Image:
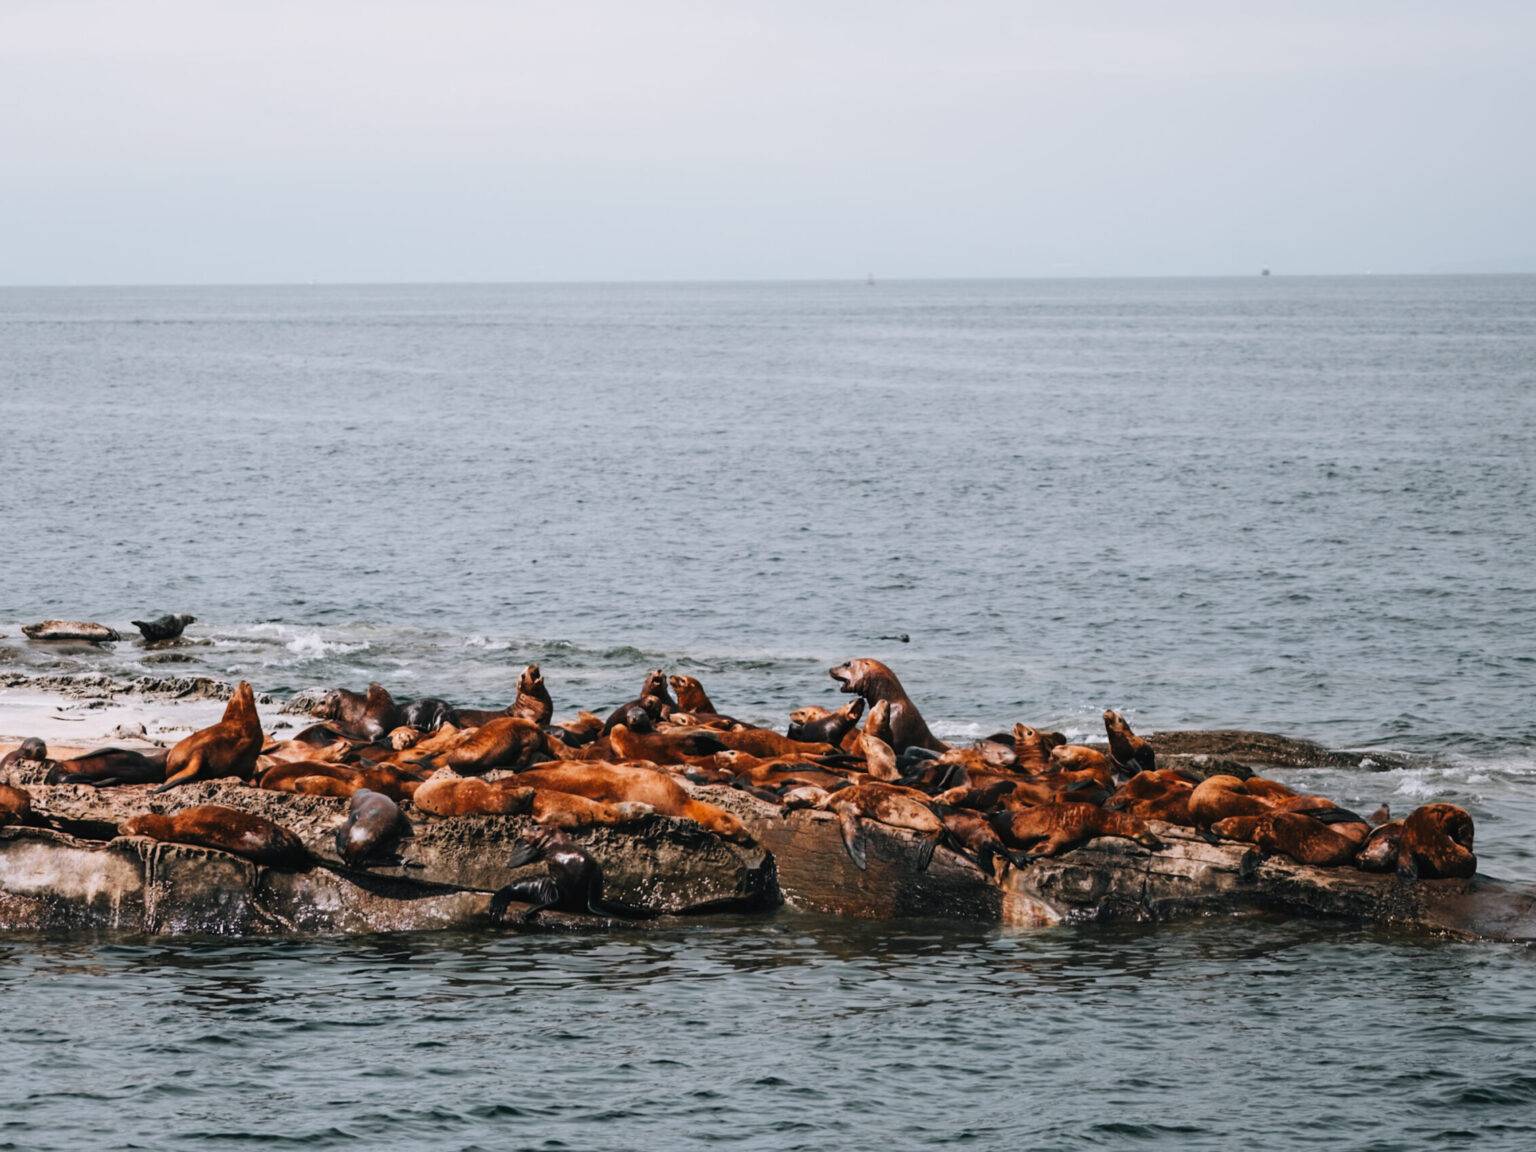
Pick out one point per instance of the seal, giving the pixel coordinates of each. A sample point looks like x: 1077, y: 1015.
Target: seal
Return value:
x: 31, y: 749
x: 70, y: 630
x: 108, y: 766
x: 372, y: 829
x: 362, y: 716
x: 1129, y: 751
x: 167, y: 627
x: 228, y: 748
x: 816, y: 725
x: 227, y: 829
x: 533, y: 699
x: 616, y: 784
x: 573, y: 882
x: 1436, y: 844
x: 1051, y: 829
x: 874, y: 681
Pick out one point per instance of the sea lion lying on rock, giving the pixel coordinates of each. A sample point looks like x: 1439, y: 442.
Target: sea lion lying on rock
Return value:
x: 621, y: 783
x: 105, y: 767
x: 1051, y: 829
x: 227, y: 829
x: 1436, y: 843
x: 372, y: 829
x: 31, y: 750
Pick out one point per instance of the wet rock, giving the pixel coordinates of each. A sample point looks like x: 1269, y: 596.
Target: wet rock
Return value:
x: 1266, y: 749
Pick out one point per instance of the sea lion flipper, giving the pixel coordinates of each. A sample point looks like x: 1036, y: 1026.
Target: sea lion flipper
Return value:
x: 853, y: 837
x: 925, y: 853
x: 1208, y: 836
x: 1335, y: 815
x: 524, y: 853
x: 1248, y: 866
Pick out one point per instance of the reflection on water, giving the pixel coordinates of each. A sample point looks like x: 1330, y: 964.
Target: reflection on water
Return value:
x: 787, y: 1032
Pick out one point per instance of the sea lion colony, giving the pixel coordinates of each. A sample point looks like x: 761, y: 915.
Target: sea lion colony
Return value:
x: 1000, y: 802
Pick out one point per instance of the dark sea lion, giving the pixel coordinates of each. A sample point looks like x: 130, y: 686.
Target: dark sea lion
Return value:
x: 824, y: 725
x: 573, y: 882
x: 372, y: 829
x: 31, y: 749
x: 70, y: 630
x: 228, y: 748
x: 1380, y: 850
x: 874, y: 681
x: 533, y: 699
x: 616, y: 784
x: 167, y: 627
x: 15, y: 805
x: 654, y: 699
x: 108, y: 766
x: 367, y: 715
x: 582, y: 729
x: 1129, y: 751
x: 1436, y: 843
x: 1051, y: 829
x: 428, y: 714
x: 227, y: 829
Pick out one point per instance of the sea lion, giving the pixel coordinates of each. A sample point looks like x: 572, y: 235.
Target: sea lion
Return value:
x: 427, y: 714
x: 584, y: 728
x: 505, y: 742
x: 573, y: 882
x: 228, y: 748
x: 664, y: 747
x: 1296, y: 835
x: 887, y: 804
x: 691, y: 696
x: 1436, y: 843
x: 372, y: 829
x: 15, y: 805
x: 31, y: 749
x: 1129, y: 751
x: 227, y: 829
x: 970, y: 835
x: 447, y: 794
x: 319, y: 778
x: 874, y: 681
x: 654, y: 699
x: 108, y: 766
x: 815, y: 725
x: 167, y: 627
x: 70, y: 630
x: 533, y: 699
x: 1380, y: 850
x: 765, y: 742
x: 362, y: 716
x: 1051, y: 829
x: 615, y: 784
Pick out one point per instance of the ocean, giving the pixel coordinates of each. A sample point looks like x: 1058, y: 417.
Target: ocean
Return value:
x: 1293, y: 504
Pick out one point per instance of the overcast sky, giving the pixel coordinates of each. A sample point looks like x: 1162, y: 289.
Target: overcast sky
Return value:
x: 214, y: 141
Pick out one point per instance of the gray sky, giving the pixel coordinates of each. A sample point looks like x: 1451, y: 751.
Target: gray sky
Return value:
x: 215, y: 141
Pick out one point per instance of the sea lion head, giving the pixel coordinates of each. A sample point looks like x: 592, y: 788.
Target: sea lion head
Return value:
x: 531, y: 679
x: 32, y: 749
x: 656, y: 685
x: 862, y: 676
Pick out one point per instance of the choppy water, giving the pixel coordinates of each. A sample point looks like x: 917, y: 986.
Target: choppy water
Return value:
x: 1292, y: 504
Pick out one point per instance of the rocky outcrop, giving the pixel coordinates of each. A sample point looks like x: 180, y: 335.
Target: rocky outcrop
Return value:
x: 1265, y: 750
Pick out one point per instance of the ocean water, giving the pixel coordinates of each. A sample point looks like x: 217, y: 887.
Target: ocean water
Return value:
x: 1282, y: 503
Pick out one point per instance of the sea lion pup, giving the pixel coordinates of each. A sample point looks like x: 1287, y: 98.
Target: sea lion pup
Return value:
x: 15, y: 805
x: 1051, y: 829
x: 363, y: 716
x: 1436, y: 844
x: 1380, y: 850
x: 887, y: 804
x: 31, y: 749
x: 506, y: 742
x: 815, y: 725
x: 533, y: 699
x: 617, y: 784
x: 1129, y: 751
x: 1293, y: 834
x: 573, y: 882
x: 167, y: 627
x: 691, y: 696
x: 227, y: 829
x: 228, y: 748
x: 427, y: 714
x: 372, y: 829
x: 874, y: 681
x: 108, y: 766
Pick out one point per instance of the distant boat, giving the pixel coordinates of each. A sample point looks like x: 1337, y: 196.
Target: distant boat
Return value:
x: 1265, y: 272
x: 871, y: 281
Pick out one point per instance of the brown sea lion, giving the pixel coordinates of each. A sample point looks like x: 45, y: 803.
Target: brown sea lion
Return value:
x: 815, y: 725
x: 584, y: 728
x: 227, y: 829
x: 447, y: 794
x: 671, y: 747
x: 874, y: 681
x: 1436, y: 843
x: 108, y: 766
x: 318, y: 778
x: 505, y: 742
x: 31, y: 749
x: 1292, y: 834
x: 973, y: 837
x: 691, y: 696
x: 1051, y: 829
x: 891, y: 805
x: 15, y: 805
x: 1129, y: 751
x: 362, y: 716
x: 533, y: 699
x: 372, y: 829
x: 228, y: 748
x: 615, y: 784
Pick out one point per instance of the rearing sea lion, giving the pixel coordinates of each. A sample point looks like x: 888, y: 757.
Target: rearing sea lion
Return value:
x: 228, y: 748
x: 1129, y: 751
x: 874, y: 682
